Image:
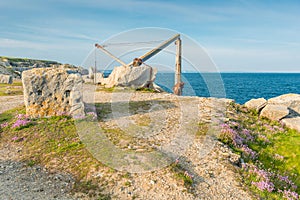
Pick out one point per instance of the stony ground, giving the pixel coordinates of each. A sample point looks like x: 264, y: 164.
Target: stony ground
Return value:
x: 145, y: 122
x: 9, y: 102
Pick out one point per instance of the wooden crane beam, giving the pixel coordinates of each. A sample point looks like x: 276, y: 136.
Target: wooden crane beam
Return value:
x: 110, y: 54
x: 156, y: 50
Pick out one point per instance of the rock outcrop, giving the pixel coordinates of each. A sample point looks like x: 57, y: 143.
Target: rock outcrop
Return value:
x: 8, y: 79
x: 291, y: 101
x: 256, y: 104
x: 52, y: 92
x: 293, y: 123
x: 274, y: 112
x: 285, y: 108
x: 134, y: 77
x: 8, y: 71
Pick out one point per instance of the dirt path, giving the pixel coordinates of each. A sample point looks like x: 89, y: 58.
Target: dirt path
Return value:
x: 166, y: 122
x: 146, y: 121
x: 10, y: 102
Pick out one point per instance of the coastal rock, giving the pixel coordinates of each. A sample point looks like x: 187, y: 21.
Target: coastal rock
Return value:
x: 274, y: 112
x: 98, y: 77
x: 91, y: 72
x: 293, y: 123
x: 8, y: 79
x: 135, y: 77
x: 8, y: 71
x: 256, y: 104
x: 292, y: 101
x: 52, y: 92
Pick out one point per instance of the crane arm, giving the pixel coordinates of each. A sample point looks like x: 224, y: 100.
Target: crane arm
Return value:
x: 156, y: 50
x: 110, y: 54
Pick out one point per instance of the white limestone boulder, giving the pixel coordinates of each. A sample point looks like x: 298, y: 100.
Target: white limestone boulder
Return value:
x: 134, y: 77
x: 274, y: 112
x: 256, y: 104
x: 7, y: 79
x: 52, y: 92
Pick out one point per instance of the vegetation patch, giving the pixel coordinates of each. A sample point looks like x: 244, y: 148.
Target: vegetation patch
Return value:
x: 54, y: 143
x: 11, y: 89
x: 270, y: 154
x: 181, y: 174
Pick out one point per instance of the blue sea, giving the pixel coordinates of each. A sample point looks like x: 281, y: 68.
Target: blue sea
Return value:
x: 238, y: 86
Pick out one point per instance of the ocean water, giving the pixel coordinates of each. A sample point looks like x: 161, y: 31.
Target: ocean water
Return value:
x: 238, y: 86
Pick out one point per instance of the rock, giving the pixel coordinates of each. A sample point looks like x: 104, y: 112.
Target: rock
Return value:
x: 256, y: 104
x: 8, y: 79
x: 293, y: 123
x: 274, y: 112
x: 99, y: 77
x: 91, y: 72
x: 135, y: 77
x: 292, y: 101
x: 8, y: 71
x: 52, y: 92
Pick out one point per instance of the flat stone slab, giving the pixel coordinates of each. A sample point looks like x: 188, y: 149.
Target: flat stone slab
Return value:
x: 256, y: 104
x: 274, y: 112
x: 292, y: 101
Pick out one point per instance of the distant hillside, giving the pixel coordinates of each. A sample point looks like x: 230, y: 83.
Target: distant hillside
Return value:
x: 15, y: 66
x: 24, y: 62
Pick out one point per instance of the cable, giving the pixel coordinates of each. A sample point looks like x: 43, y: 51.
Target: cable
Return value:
x: 131, y: 43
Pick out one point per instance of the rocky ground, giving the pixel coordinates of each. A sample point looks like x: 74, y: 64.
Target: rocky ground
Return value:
x: 21, y: 181
x: 10, y: 102
x: 149, y: 121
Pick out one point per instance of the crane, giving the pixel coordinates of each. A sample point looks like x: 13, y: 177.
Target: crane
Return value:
x: 138, y: 61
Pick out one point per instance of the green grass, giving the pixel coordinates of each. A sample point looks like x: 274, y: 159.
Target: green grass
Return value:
x: 11, y: 89
x: 181, y: 175
x: 13, y: 59
x: 278, y: 149
x: 54, y: 143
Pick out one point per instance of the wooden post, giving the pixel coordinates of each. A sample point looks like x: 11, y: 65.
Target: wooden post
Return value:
x: 178, y: 61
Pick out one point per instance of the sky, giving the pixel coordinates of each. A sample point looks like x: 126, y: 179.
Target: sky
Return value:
x: 238, y: 35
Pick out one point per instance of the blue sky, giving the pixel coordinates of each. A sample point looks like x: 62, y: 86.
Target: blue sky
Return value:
x: 239, y: 35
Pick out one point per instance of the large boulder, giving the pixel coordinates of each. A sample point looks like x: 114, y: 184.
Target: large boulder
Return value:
x: 135, y: 77
x: 292, y: 101
x: 52, y: 92
x: 8, y: 79
x: 293, y: 123
x: 274, y: 112
x: 256, y: 104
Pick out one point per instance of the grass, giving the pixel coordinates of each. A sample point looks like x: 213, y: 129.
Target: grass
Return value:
x: 13, y: 59
x: 273, y: 149
x: 101, y: 88
x: 181, y: 175
x: 11, y: 89
x: 54, y: 143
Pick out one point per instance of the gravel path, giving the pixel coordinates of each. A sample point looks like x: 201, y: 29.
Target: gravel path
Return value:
x: 211, y: 163
x: 9, y: 102
x: 18, y: 181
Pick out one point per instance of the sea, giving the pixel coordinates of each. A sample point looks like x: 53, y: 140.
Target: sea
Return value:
x: 240, y: 87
